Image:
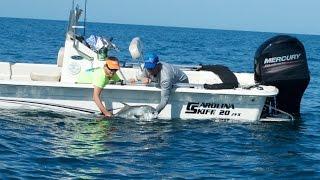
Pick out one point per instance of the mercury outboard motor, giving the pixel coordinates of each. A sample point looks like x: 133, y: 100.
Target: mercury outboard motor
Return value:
x: 281, y: 61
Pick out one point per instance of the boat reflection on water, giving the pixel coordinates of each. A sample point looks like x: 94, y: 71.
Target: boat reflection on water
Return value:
x: 72, y: 135
x: 63, y: 134
x: 124, y: 147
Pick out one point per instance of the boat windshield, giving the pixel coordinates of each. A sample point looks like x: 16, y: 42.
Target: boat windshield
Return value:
x: 74, y: 17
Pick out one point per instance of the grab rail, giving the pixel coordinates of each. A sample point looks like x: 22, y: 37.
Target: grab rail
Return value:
x: 86, y: 56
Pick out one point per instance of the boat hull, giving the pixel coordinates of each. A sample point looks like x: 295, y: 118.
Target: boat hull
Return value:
x: 184, y: 103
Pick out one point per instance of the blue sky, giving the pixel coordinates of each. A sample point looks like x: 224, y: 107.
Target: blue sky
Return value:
x: 284, y: 16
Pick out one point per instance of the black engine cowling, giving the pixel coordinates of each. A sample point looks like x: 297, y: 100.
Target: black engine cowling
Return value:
x: 281, y: 61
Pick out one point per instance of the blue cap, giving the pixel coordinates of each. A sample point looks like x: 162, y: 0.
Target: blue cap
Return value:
x: 151, y: 61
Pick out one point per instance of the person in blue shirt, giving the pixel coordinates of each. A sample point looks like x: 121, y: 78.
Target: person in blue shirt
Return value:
x: 163, y: 73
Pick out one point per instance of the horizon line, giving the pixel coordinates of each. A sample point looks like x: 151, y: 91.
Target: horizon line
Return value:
x: 166, y: 26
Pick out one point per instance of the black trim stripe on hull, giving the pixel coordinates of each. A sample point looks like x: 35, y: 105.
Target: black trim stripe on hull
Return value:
x: 49, y: 104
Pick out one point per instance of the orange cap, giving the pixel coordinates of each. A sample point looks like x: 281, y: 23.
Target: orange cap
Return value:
x: 112, y: 64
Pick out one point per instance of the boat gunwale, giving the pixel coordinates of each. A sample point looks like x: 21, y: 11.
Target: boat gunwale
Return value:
x: 265, y: 91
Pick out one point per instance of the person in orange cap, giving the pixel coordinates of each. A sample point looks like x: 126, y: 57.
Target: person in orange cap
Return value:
x: 100, y: 77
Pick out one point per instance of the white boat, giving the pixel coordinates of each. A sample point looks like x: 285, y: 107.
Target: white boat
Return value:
x: 53, y: 85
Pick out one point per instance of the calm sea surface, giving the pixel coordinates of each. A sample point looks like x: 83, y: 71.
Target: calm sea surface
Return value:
x: 46, y: 144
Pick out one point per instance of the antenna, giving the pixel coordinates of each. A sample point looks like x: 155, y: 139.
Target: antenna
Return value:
x: 85, y: 18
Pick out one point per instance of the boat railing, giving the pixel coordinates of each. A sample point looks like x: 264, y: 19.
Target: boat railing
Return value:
x: 73, y: 28
x: 82, y: 53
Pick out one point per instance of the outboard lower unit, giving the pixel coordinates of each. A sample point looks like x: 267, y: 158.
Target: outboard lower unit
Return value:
x: 281, y: 61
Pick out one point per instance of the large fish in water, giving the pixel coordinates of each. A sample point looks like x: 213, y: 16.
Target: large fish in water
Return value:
x: 143, y: 112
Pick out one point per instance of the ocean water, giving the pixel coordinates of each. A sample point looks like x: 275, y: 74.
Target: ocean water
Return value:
x: 45, y: 144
